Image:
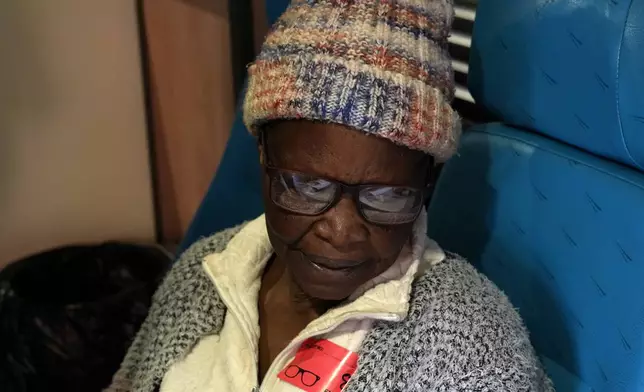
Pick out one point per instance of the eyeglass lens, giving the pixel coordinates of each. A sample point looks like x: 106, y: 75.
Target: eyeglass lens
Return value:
x: 310, y: 195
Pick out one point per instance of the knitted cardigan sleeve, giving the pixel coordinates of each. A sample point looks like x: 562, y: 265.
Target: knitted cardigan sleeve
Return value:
x: 184, y: 308
x: 461, y: 334
x: 498, y: 354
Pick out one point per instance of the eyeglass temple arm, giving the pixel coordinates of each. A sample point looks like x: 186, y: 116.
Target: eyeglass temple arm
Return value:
x: 261, y: 146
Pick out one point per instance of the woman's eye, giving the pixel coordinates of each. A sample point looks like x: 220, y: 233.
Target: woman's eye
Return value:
x: 402, y: 192
x: 310, y: 185
x: 313, y: 188
x: 387, y: 193
x: 389, y: 198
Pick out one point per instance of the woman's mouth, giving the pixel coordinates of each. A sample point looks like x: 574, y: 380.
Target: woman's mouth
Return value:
x: 329, y: 279
x: 332, y: 264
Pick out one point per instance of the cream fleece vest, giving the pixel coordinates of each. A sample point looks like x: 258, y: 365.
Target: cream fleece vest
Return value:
x: 228, y: 361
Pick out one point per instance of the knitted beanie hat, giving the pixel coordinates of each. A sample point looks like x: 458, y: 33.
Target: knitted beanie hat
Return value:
x: 379, y: 66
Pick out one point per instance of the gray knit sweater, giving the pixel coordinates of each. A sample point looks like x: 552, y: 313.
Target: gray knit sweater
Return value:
x: 461, y: 333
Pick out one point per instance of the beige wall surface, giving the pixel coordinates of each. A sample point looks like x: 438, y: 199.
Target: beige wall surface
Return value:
x: 73, y: 151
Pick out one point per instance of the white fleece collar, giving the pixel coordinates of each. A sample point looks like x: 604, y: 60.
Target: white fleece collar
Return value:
x: 237, y: 273
x: 227, y: 361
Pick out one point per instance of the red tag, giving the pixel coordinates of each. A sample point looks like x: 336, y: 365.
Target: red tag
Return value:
x: 320, y: 366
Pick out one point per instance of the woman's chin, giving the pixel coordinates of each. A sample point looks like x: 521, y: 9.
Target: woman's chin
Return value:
x: 326, y: 292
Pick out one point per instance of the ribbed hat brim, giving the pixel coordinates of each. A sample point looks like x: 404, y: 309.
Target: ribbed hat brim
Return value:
x: 323, y: 88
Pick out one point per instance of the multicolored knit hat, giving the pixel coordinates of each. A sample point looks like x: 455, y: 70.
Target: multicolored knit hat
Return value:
x: 379, y: 66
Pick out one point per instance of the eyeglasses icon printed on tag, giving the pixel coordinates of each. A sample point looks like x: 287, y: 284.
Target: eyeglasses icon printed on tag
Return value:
x: 307, y: 378
x: 320, y: 366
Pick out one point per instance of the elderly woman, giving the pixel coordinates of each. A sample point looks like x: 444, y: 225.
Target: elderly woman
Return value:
x: 337, y: 287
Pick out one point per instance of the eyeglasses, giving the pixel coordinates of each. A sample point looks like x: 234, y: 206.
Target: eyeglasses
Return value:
x: 306, y: 377
x: 307, y: 194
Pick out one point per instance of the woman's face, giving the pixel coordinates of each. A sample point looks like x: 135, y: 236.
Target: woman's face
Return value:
x: 331, y: 254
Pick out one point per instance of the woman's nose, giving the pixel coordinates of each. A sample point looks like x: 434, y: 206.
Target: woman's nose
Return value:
x: 342, y: 226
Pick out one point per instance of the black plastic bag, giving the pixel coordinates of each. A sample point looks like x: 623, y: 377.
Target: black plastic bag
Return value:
x: 67, y: 316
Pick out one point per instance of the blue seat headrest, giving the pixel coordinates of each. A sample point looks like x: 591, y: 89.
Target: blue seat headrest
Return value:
x: 573, y: 70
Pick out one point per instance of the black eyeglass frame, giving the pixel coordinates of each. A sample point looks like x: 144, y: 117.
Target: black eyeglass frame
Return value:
x: 342, y: 189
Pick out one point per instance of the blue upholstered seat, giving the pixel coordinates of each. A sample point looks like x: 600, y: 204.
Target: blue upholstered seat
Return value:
x: 550, y: 204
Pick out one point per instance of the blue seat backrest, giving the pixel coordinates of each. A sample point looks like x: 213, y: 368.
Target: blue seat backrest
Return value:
x: 550, y: 203
x: 234, y: 195
x: 571, y: 69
